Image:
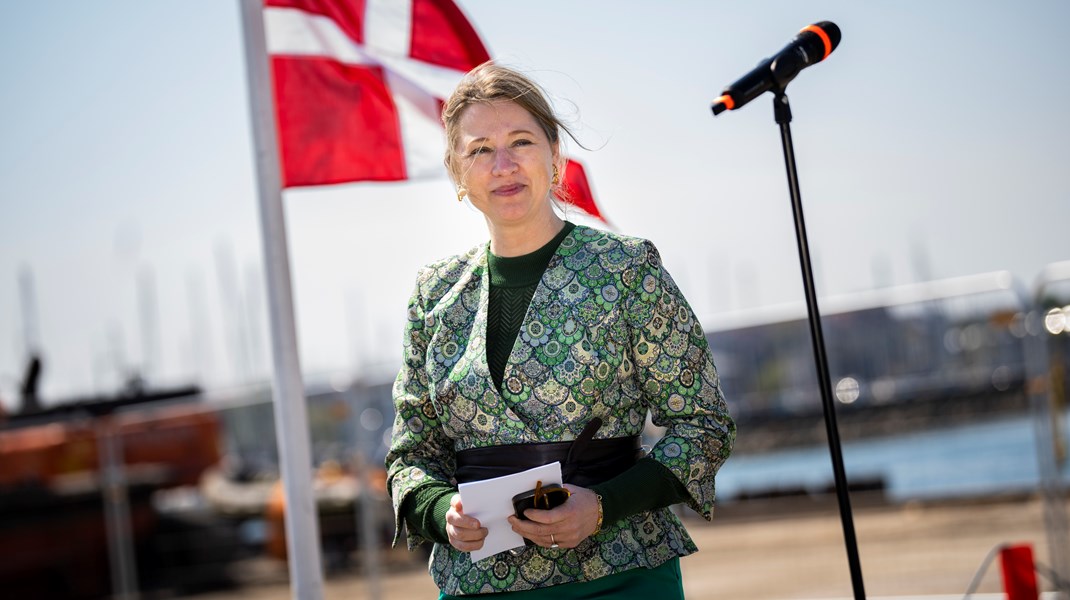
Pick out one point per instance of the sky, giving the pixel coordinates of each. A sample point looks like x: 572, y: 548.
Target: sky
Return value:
x: 931, y: 144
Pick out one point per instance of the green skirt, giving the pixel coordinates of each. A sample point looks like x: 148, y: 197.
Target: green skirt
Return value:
x: 661, y: 582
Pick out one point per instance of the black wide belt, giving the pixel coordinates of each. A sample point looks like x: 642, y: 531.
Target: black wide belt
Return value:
x: 584, y: 461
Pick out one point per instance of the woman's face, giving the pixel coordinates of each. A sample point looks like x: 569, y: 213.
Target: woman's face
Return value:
x: 505, y: 163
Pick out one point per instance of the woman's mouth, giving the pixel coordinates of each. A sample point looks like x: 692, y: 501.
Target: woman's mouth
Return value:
x: 508, y: 190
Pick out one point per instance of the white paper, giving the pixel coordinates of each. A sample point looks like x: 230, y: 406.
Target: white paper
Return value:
x: 491, y: 501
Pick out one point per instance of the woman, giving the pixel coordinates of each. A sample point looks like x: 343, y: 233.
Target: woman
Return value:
x: 552, y: 342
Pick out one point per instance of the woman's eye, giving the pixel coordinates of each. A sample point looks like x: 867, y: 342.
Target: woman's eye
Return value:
x: 522, y: 142
x: 480, y: 150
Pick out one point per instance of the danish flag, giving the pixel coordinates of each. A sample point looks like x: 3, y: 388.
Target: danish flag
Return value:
x: 359, y: 87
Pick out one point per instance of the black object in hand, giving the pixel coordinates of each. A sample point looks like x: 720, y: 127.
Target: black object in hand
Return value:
x: 543, y: 497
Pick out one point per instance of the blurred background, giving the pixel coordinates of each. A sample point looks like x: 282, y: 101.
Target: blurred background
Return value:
x: 137, y: 441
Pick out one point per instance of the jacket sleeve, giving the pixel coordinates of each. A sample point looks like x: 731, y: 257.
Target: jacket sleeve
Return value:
x: 420, y: 452
x: 679, y: 381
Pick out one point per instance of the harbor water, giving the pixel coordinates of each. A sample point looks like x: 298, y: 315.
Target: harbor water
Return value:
x: 993, y: 457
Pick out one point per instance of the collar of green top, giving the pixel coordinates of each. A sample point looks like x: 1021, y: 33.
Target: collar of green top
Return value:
x: 526, y: 269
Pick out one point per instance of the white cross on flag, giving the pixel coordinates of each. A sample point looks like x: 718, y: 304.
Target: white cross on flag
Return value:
x: 359, y: 87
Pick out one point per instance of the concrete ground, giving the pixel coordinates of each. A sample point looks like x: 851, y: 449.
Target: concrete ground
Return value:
x: 781, y: 549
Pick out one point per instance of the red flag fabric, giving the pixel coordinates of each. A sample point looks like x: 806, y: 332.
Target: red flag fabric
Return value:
x: 578, y: 190
x: 358, y: 83
x: 359, y: 86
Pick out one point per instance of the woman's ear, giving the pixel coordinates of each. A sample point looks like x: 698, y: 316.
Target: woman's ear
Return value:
x: 557, y: 165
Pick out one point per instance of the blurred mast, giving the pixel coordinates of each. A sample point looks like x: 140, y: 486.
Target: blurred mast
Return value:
x: 291, y: 413
x: 148, y: 309
x: 199, y: 346
x: 31, y: 335
x: 233, y: 310
x: 31, y: 342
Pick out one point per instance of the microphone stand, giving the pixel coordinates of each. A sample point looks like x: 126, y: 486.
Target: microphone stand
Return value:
x: 782, y: 113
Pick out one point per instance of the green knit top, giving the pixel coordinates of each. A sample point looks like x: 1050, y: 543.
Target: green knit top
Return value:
x: 513, y: 281
x: 646, y: 486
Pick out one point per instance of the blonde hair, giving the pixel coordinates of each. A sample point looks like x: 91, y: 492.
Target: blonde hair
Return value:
x: 490, y: 82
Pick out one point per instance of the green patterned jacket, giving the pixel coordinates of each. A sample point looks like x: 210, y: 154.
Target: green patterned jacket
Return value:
x: 607, y: 334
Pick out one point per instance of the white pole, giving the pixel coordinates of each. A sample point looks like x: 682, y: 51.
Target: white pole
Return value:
x: 291, y: 415
x: 112, y: 473
x: 367, y: 500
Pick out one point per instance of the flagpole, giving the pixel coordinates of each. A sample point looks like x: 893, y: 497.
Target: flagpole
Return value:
x: 291, y: 415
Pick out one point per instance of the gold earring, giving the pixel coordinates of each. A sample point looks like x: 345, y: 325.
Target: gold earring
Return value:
x: 557, y: 176
x: 461, y: 193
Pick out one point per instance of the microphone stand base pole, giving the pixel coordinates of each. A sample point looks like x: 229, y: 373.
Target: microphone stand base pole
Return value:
x: 782, y: 113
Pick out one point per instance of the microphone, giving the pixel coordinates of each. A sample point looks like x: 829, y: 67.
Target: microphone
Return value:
x: 812, y: 45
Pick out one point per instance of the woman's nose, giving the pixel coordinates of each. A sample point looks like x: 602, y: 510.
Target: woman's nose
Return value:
x: 504, y: 162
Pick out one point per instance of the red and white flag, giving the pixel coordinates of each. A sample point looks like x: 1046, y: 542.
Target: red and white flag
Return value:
x: 359, y: 87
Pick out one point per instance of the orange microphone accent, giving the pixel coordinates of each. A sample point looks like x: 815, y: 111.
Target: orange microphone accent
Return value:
x: 722, y: 103
x: 821, y: 34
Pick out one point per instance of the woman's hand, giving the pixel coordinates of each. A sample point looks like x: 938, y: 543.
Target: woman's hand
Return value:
x: 465, y: 533
x: 565, y: 526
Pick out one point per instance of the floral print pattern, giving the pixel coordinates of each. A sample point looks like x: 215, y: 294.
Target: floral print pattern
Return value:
x: 607, y: 334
